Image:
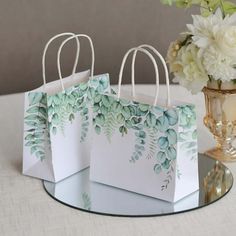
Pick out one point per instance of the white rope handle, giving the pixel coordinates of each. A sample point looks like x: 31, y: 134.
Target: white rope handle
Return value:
x: 154, y: 64
x: 163, y: 63
x: 45, y: 51
x: 62, y: 45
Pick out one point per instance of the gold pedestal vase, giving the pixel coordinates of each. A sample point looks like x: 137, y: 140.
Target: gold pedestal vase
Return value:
x: 220, y: 119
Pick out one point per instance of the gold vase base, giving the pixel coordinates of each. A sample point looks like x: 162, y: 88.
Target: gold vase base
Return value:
x: 220, y: 155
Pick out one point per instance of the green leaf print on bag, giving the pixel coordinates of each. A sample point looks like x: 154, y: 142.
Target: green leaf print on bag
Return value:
x: 140, y: 145
x: 36, y: 119
x: 157, y: 169
x: 188, y: 135
x: 187, y: 116
x: 161, y: 157
x: 154, y: 130
x: 152, y: 143
x: 163, y: 142
x: 64, y: 106
x: 172, y: 116
x: 52, y: 112
x: 171, y: 153
x: 171, y: 136
x: 89, y: 94
x: 57, y: 111
x: 168, y: 179
x: 34, y: 98
x: 162, y: 123
x: 110, y: 115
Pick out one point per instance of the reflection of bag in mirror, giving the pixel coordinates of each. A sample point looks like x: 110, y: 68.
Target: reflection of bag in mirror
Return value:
x: 147, y: 147
x: 79, y: 192
x: 57, y: 121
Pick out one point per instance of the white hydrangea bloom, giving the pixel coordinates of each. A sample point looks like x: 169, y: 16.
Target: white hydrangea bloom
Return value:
x: 204, y: 29
x: 226, y: 41
x: 218, y: 65
x: 189, y: 71
x: 210, y: 50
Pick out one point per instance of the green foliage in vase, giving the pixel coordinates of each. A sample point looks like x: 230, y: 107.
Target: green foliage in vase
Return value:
x: 207, y: 7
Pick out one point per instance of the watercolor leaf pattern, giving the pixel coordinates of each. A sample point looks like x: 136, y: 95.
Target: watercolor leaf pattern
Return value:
x: 36, y: 120
x: 49, y: 114
x: 155, y: 129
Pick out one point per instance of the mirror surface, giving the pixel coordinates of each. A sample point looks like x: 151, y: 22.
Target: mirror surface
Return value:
x: 215, y: 181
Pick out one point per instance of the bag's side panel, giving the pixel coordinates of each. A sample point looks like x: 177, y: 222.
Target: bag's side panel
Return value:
x: 70, y: 118
x: 187, y: 158
x: 134, y: 147
x: 37, y: 160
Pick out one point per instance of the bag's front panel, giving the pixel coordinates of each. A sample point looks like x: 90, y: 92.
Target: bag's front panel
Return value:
x: 36, y: 150
x: 187, y: 160
x: 134, y: 146
x: 70, y: 122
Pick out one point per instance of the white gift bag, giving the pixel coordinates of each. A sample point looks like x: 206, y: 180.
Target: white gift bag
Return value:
x: 145, y: 147
x: 58, y: 121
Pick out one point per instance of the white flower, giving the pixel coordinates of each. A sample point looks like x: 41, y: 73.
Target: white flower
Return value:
x: 189, y: 71
x: 204, y: 29
x: 226, y: 41
x: 218, y: 65
x: 216, y: 38
x: 230, y: 20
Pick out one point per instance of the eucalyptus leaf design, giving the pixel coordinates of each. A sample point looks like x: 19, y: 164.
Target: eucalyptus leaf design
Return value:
x: 171, y: 153
x: 90, y: 95
x: 171, y: 136
x: 155, y: 130
x: 157, y: 169
x: 34, y: 98
x: 60, y: 109
x: 49, y: 114
x: 139, y: 146
x: 64, y: 106
x: 172, y: 116
x: 178, y: 173
x: 161, y: 157
x: 152, y: 143
x: 154, y: 127
x: 188, y: 135
x: 169, y: 177
x: 162, y: 123
x: 187, y: 116
x: 36, y: 133
x: 163, y: 143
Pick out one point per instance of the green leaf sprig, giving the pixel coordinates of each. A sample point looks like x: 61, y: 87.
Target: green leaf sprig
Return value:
x: 207, y: 7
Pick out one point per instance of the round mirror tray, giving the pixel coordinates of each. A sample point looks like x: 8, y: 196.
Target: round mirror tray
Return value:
x: 77, y: 191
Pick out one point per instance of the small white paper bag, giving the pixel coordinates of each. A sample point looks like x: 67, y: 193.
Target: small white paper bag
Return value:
x: 145, y: 147
x: 58, y: 121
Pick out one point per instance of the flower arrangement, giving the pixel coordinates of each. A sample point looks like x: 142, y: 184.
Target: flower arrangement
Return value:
x: 207, y: 51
